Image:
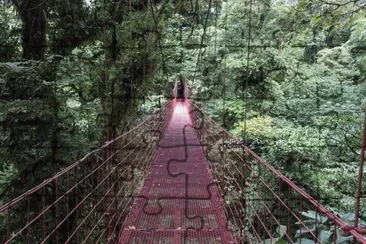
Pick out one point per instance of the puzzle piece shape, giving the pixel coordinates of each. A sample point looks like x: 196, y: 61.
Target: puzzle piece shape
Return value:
x: 179, y: 201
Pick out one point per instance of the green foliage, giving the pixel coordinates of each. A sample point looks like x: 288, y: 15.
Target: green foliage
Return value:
x: 26, y: 118
x: 279, y: 236
x: 296, y: 95
x: 258, y: 131
x: 8, y: 172
x: 324, y: 228
x: 304, y: 84
x: 9, y: 48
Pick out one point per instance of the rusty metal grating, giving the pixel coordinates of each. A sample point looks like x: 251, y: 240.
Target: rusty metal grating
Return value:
x: 178, y: 202
x: 177, y: 237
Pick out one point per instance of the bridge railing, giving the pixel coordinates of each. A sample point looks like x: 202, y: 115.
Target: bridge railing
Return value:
x: 86, y: 202
x: 262, y: 205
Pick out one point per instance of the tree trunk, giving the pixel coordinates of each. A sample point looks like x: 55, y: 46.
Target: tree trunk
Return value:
x: 32, y: 13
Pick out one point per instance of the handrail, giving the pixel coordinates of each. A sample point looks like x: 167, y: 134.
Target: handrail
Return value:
x: 5, y: 206
x: 87, y: 190
x: 357, y: 233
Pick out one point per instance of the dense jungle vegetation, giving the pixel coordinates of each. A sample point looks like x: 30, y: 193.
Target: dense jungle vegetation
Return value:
x: 287, y: 76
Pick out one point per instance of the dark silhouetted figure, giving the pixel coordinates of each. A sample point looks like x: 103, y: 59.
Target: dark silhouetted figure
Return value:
x: 180, y: 89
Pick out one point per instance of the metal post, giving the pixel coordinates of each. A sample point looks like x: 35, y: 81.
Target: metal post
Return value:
x: 360, y: 173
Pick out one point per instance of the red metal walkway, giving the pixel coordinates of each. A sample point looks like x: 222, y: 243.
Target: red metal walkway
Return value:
x: 88, y: 201
x: 178, y: 202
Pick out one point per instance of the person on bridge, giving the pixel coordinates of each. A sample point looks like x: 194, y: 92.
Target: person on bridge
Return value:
x: 181, y: 89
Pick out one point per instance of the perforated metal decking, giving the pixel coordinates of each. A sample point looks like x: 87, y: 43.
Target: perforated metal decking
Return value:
x: 178, y: 202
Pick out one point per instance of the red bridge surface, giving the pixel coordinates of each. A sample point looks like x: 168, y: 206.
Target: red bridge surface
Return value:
x: 178, y: 202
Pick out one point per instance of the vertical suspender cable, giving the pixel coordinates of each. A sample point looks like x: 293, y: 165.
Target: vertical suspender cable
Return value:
x: 216, y: 17
x: 224, y: 76
x: 107, y: 122
x: 360, y: 174
x: 248, y: 72
x: 108, y: 118
x: 159, y: 39
x: 114, y: 55
x: 131, y: 59
x: 244, y: 132
x: 202, y: 40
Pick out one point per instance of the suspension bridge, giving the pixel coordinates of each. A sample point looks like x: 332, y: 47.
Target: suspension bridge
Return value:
x: 177, y: 177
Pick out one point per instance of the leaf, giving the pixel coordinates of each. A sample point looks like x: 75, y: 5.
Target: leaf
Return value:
x: 310, y: 214
x: 315, y: 216
x: 349, y: 218
x: 305, y: 241
x: 281, y: 230
x: 324, y: 235
x: 344, y: 239
x: 272, y: 241
x: 269, y: 241
x: 304, y: 230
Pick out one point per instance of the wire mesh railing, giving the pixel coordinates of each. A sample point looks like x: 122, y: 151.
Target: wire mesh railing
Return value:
x: 261, y: 204
x: 86, y: 202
